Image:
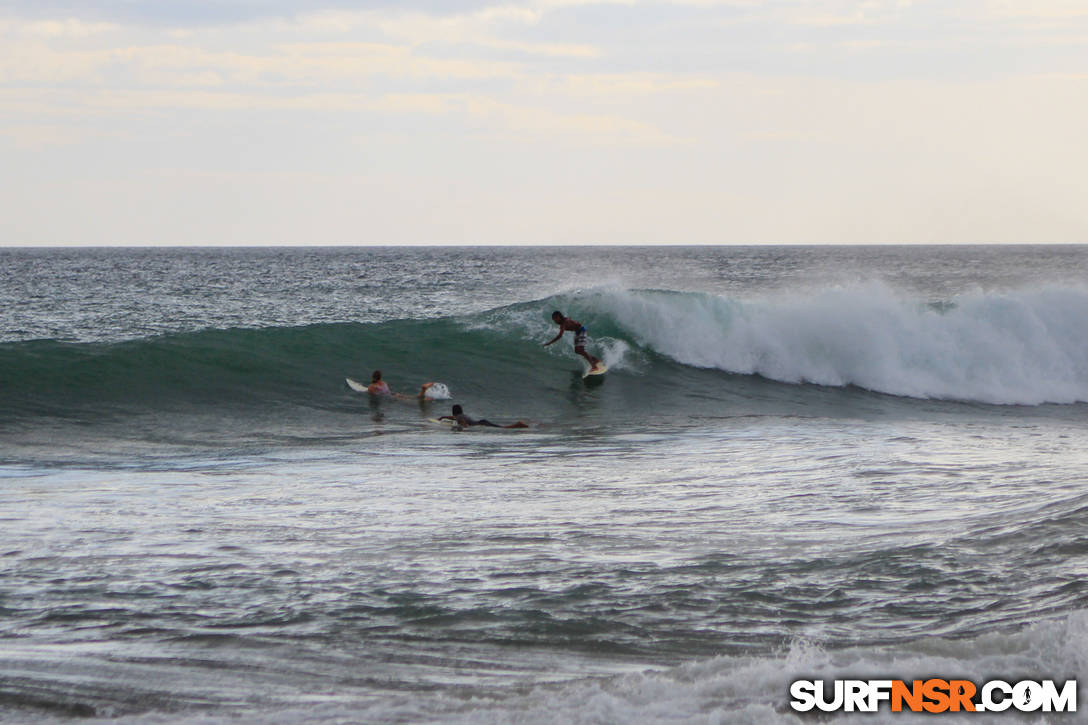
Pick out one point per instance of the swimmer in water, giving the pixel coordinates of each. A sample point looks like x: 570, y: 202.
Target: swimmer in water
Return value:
x: 377, y: 385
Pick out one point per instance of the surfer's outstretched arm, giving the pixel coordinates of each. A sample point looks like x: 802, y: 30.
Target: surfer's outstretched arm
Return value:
x: 556, y: 338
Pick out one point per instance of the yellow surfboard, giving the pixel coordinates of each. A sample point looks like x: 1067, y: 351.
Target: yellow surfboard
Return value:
x: 601, y: 369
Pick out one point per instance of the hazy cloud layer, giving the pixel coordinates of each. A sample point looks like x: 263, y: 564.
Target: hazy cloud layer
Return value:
x: 203, y: 13
x: 550, y: 121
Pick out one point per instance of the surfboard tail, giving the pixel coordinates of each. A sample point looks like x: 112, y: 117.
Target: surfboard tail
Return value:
x: 598, y: 369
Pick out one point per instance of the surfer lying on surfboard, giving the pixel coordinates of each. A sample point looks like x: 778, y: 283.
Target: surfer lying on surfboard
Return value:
x: 567, y: 324
x: 464, y: 421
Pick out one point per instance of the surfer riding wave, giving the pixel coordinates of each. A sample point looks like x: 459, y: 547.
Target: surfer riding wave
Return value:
x: 567, y: 324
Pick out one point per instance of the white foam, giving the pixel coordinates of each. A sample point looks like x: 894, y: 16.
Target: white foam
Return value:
x: 438, y: 391
x: 613, y: 352
x: 1023, y: 347
x: 727, y: 689
x: 742, y: 689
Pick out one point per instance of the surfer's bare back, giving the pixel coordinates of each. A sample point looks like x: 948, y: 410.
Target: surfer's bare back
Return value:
x: 567, y: 324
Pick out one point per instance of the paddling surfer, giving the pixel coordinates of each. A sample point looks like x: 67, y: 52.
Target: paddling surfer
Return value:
x: 464, y: 421
x: 566, y: 324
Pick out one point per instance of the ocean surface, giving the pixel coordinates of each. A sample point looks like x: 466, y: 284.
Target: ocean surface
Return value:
x: 804, y: 462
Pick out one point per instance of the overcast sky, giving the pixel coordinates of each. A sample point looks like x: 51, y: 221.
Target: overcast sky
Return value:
x: 555, y: 121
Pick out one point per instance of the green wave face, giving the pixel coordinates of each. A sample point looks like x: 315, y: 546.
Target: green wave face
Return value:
x: 671, y: 355
x: 494, y: 365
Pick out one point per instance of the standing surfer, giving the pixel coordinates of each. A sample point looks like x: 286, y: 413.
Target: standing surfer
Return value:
x: 567, y: 324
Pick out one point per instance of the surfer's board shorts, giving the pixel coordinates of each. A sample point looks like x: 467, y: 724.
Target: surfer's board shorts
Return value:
x: 580, y: 339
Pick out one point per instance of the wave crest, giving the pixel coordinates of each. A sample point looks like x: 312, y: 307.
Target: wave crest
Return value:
x: 1024, y: 347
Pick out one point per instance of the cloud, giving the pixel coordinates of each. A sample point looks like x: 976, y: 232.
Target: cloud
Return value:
x: 38, y: 136
x: 167, y: 65
x: 534, y: 122
x: 749, y: 120
x: 1037, y: 9
x: 68, y: 28
x: 486, y: 28
x: 626, y: 85
x: 483, y: 113
x: 210, y: 13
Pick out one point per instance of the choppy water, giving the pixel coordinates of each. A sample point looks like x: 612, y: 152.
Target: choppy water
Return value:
x: 804, y: 462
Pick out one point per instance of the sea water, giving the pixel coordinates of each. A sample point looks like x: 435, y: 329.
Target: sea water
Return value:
x: 804, y: 462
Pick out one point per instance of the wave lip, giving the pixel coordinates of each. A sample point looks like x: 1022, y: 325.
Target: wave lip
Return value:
x: 1025, y: 347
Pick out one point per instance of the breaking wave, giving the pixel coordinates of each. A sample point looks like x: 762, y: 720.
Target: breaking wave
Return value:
x: 1027, y: 347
